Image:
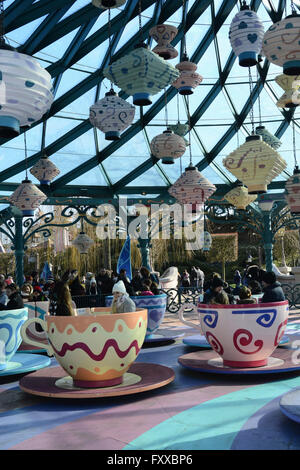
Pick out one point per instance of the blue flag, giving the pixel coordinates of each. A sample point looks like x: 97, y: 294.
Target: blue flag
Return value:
x: 124, y: 261
x: 46, y: 273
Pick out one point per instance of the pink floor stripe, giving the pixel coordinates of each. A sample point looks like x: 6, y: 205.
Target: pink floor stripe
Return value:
x: 113, y: 428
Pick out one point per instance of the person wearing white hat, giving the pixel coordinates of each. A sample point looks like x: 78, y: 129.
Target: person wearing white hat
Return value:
x: 121, y: 302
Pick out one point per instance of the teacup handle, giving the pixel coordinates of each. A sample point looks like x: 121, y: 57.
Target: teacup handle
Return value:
x: 181, y: 317
x: 33, y: 342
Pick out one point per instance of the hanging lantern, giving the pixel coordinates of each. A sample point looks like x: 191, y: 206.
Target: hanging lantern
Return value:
x: 163, y: 34
x: 192, y: 187
x: 281, y: 44
x: 246, y: 34
x: 290, y: 84
x: 168, y: 146
x: 188, y: 78
x: 141, y: 73
x: 181, y: 130
x: 265, y: 205
x: 106, y: 4
x: 206, y: 240
x: 44, y: 170
x: 267, y: 137
x: 25, y: 91
x: 83, y: 243
x: 27, y: 197
x: 255, y: 163
x: 239, y: 197
x: 112, y: 115
x: 292, y: 192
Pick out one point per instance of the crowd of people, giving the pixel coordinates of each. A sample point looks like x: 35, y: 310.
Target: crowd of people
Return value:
x: 60, y: 291
x: 36, y: 289
x: 260, y: 282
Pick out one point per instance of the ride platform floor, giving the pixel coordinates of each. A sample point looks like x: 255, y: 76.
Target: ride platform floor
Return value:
x: 197, y: 411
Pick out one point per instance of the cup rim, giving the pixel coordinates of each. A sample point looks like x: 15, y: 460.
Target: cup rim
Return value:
x: 244, y: 306
x: 95, y: 316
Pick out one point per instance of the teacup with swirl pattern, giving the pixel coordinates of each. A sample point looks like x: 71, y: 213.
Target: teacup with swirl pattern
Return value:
x: 10, y: 333
x: 244, y: 335
x: 95, y: 350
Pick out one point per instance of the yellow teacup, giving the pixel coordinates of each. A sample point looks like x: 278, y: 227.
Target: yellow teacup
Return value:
x: 95, y: 350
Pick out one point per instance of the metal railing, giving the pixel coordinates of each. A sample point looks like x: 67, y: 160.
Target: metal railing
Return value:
x: 83, y: 301
x: 177, y: 297
x: 292, y: 294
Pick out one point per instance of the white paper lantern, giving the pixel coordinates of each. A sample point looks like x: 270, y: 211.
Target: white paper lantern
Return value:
x: 206, y: 240
x: 44, y: 170
x: 246, y: 35
x: 163, y: 34
x: 292, y: 192
x: 83, y: 243
x: 192, y: 187
x: 255, y: 163
x: 106, y: 4
x: 281, y: 44
x: 27, y: 197
x: 239, y: 197
x: 268, y: 137
x: 25, y: 92
x: 168, y: 146
x: 188, y: 78
x: 265, y: 205
x: 290, y: 84
x: 112, y: 115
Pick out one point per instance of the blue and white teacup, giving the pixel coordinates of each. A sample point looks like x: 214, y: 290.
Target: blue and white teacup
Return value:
x: 10, y: 333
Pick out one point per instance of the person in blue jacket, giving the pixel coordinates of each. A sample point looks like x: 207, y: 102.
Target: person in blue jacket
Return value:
x: 272, y: 289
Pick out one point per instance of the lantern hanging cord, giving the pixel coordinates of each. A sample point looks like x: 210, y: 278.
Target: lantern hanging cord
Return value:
x: 2, y: 22
x: 251, y: 101
x: 294, y: 145
x: 183, y: 25
x: 293, y: 8
x: 26, y: 163
x: 166, y: 109
x: 189, y: 120
x: 140, y: 22
x: 81, y: 222
x: 259, y: 104
x: 109, y: 41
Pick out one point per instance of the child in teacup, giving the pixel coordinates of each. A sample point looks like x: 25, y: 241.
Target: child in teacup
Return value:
x: 220, y: 298
x: 121, y: 302
x: 245, y: 296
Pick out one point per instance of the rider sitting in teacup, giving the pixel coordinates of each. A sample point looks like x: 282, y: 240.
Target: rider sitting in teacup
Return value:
x: 272, y: 289
x: 15, y: 300
x: 121, y: 302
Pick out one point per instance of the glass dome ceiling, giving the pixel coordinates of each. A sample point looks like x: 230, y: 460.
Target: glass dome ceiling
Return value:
x: 70, y: 39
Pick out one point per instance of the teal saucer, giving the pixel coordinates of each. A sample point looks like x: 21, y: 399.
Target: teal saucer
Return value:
x: 22, y: 363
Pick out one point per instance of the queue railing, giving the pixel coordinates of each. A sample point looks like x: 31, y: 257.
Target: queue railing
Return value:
x: 178, y: 296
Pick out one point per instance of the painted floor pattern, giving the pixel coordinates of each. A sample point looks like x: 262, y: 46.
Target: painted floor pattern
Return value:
x: 197, y: 411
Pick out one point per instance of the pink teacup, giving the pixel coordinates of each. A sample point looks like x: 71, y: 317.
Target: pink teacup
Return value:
x: 244, y: 335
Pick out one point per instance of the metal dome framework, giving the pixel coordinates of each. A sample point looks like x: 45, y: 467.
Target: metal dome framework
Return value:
x: 54, y: 20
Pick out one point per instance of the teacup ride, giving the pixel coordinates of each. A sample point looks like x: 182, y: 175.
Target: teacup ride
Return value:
x: 156, y: 306
x: 244, y: 338
x: 35, y: 332
x: 11, y: 363
x: 96, y: 356
x: 199, y: 340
